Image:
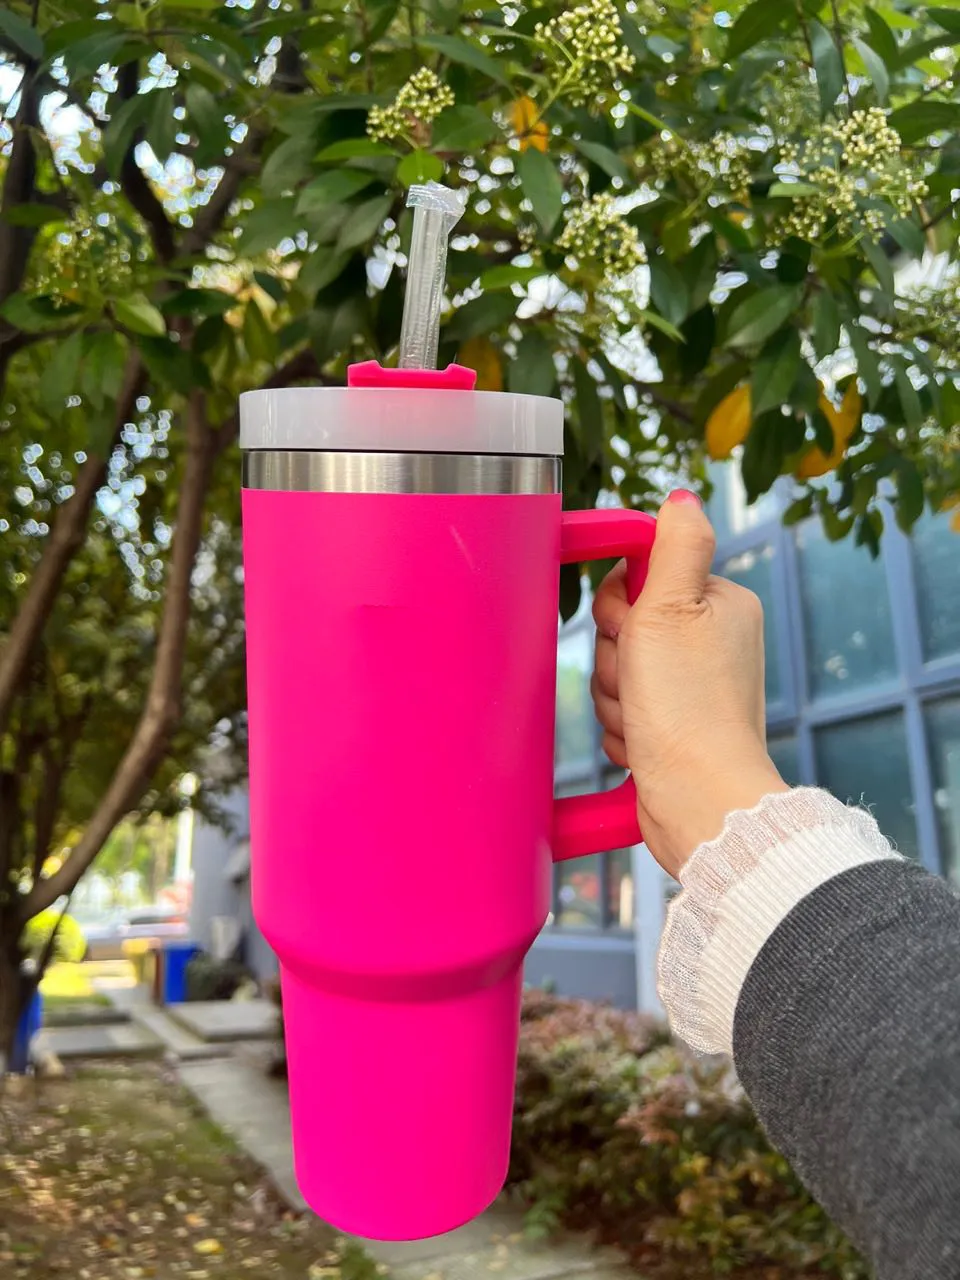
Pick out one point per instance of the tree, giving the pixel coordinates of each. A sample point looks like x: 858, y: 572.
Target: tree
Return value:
x: 689, y: 220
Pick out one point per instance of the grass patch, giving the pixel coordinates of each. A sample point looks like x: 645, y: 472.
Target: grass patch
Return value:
x: 115, y: 1173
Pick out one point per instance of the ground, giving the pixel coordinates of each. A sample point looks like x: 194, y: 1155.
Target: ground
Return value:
x: 114, y: 1173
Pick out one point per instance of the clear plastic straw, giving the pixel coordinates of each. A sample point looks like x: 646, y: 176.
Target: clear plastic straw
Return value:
x: 436, y: 211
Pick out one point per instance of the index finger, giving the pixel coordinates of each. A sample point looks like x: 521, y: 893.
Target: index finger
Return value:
x: 610, y: 605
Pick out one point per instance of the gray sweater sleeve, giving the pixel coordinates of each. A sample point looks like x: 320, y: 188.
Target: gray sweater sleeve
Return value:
x: 847, y: 1041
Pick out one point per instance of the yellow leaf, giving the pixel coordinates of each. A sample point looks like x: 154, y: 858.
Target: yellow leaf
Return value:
x: 955, y: 522
x: 532, y: 131
x: 729, y: 423
x: 843, y: 423
x: 208, y: 1246
x: 482, y: 355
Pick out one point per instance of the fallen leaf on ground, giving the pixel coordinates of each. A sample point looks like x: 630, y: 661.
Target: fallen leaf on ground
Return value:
x: 208, y: 1246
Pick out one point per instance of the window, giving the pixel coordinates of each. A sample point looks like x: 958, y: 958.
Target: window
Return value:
x: 579, y: 899
x: 576, y: 731
x: 754, y: 570
x: 943, y: 732
x: 846, y: 612
x: 936, y: 555
x: 728, y: 507
x: 868, y: 759
x: 785, y: 754
x: 620, y: 891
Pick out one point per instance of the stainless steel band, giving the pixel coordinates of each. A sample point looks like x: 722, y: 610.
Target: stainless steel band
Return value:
x: 304, y: 471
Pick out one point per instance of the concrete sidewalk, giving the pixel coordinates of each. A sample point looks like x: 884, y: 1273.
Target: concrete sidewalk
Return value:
x: 254, y: 1110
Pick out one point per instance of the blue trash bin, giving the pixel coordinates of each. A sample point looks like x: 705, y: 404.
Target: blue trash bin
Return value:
x: 30, y: 1022
x: 175, y: 957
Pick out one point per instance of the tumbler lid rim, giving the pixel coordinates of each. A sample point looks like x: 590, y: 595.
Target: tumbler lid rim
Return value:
x: 400, y: 420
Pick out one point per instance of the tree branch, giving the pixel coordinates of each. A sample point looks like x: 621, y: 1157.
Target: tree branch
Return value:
x: 135, y: 185
x: 66, y: 537
x: 299, y: 367
x: 211, y: 217
x: 163, y: 702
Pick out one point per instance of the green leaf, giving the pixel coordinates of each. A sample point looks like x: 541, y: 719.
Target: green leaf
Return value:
x: 831, y: 77
x: 532, y: 371
x: 34, y: 215
x: 604, y: 159
x: 320, y: 269
x: 419, y: 166
x: 37, y: 314
x: 908, y: 396
x: 483, y: 314
x: 917, y: 120
x: 657, y: 321
x: 334, y: 187
x: 15, y: 32
x: 271, y: 286
x: 464, y: 128
x: 364, y: 222
x: 881, y: 37
x: 207, y: 118
x: 61, y: 373
x: 949, y: 19
x: 876, y: 69
x: 754, y: 320
x: 775, y: 372
x: 910, y: 497
x: 119, y: 134
x: 264, y: 227
x: 101, y: 370
x: 198, y: 302
x: 541, y: 186
x: 163, y: 126
x: 505, y: 276
x: 353, y: 149
x: 868, y: 367
x: 168, y: 363
x: 468, y: 55
x: 759, y: 21
x: 763, y: 454
x: 799, y: 510
x: 287, y: 165
x: 260, y: 342
x: 791, y: 190
x: 908, y: 236
x: 589, y: 411
x: 950, y: 403
x: 668, y: 290
x: 139, y: 315
x: 881, y: 266
x: 826, y: 324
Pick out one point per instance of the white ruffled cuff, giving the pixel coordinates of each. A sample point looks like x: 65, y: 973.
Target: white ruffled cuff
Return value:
x: 738, y: 888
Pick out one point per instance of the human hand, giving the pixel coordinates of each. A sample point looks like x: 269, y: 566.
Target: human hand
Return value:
x: 678, y: 688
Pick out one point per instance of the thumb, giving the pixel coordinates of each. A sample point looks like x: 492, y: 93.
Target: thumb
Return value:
x: 682, y: 553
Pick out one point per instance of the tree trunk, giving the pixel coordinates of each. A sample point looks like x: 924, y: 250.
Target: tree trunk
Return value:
x: 15, y: 988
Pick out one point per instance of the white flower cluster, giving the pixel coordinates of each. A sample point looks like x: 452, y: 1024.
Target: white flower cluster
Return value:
x: 419, y: 102
x: 857, y: 168
x: 723, y: 163
x: 595, y: 231
x: 589, y: 40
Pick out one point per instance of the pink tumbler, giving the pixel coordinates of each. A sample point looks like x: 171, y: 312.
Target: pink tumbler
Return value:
x: 402, y: 546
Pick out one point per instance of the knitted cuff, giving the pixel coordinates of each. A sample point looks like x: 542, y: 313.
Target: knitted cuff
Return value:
x: 738, y: 888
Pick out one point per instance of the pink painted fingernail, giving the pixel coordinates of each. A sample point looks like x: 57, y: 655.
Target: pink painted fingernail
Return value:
x: 684, y: 495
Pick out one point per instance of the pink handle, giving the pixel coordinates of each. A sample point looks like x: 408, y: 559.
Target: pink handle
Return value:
x: 606, y: 819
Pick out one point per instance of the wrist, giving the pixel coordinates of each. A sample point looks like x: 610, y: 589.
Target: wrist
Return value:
x: 701, y: 802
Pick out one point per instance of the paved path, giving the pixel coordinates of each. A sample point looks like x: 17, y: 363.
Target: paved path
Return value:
x: 243, y: 1101
x: 119, y: 1041
x: 136, y: 1004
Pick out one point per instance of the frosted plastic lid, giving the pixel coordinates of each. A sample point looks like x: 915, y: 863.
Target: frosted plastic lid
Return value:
x: 400, y: 420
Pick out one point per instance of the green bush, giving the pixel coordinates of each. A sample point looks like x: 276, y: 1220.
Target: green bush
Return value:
x: 209, y: 979
x: 70, y: 945
x: 618, y: 1128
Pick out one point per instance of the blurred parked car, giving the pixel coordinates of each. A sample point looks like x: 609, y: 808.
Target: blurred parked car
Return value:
x: 106, y: 937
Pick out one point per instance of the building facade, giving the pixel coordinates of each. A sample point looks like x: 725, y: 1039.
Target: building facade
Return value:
x: 863, y: 697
